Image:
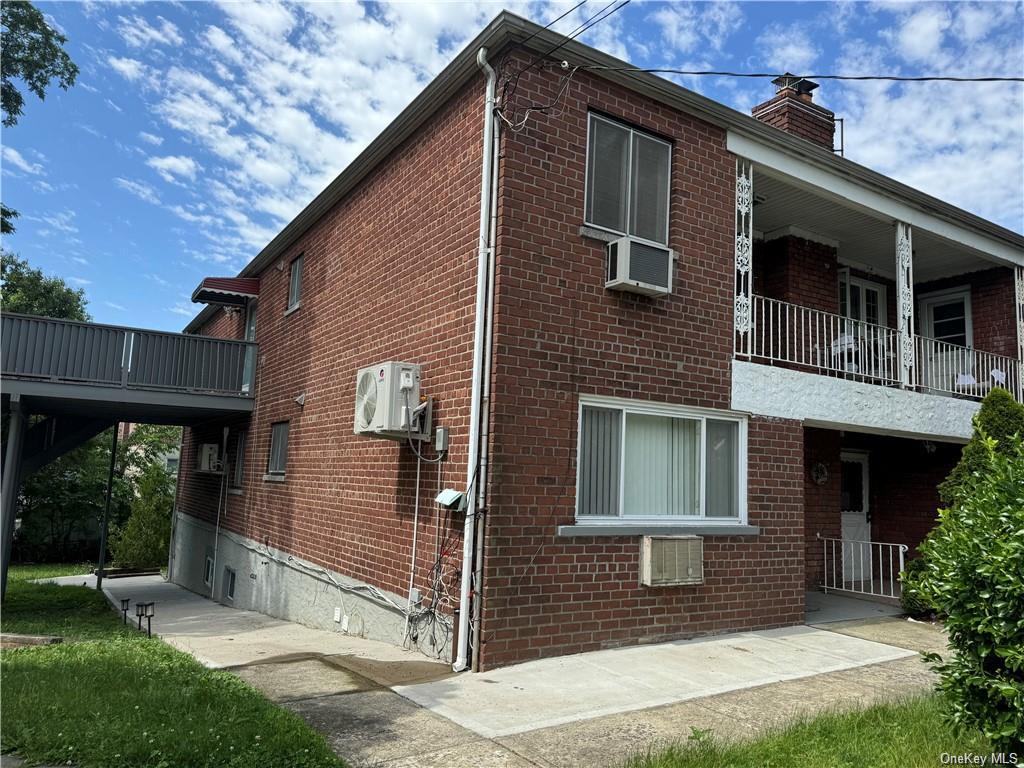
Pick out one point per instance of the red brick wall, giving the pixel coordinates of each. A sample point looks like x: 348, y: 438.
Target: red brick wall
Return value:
x: 561, y: 334
x: 389, y: 274
x: 992, y: 307
x: 821, y: 501
x: 797, y: 271
x: 791, y: 114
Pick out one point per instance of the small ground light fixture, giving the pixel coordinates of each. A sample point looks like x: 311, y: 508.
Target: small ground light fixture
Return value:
x: 124, y: 609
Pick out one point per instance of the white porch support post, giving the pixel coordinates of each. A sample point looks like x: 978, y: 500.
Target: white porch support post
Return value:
x: 905, y: 302
x: 1019, y: 293
x: 743, y: 253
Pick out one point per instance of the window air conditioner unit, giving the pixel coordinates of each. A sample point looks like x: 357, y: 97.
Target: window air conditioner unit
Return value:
x: 387, y: 399
x: 671, y: 560
x: 209, y: 457
x: 639, y: 267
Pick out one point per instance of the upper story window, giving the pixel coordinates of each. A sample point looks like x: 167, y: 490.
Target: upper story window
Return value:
x: 295, y: 283
x: 660, y: 464
x: 627, y: 180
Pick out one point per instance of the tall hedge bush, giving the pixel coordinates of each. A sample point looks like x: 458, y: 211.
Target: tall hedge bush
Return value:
x: 974, y: 574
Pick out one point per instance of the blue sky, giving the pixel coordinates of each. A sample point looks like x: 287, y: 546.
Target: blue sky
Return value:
x: 197, y: 130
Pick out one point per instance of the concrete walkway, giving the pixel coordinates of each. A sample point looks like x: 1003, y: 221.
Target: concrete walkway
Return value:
x: 383, y: 706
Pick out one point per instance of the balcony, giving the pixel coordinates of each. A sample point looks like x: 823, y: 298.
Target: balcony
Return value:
x: 125, y: 373
x: 828, y: 344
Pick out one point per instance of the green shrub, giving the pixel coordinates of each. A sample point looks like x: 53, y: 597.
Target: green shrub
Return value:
x: 1000, y: 418
x: 974, y: 575
x: 911, y: 599
x: 143, y: 540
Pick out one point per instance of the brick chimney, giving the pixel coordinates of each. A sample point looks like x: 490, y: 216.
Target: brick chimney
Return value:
x: 792, y: 109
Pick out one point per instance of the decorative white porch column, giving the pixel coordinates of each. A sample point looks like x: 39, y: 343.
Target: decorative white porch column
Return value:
x: 905, y: 301
x: 743, y: 252
x: 1019, y: 293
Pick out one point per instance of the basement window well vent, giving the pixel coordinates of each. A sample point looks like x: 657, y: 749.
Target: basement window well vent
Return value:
x: 671, y: 560
x: 229, y: 583
x: 208, y: 572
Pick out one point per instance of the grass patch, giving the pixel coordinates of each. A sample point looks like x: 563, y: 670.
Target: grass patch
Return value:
x: 117, y: 699
x: 908, y: 734
x: 47, y: 571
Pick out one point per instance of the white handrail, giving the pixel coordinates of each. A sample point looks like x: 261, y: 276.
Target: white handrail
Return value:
x: 863, y: 567
x: 832, y: 345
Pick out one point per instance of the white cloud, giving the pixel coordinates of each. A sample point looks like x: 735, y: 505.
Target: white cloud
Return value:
x: 118, y: 307
x: 62, y: 221
x: 172, y: 167
x: 129, y: 69
x: 151, y: 138
x: 158, y: 280
x: 183, y: 309
x: 921, y: 34
x: 113, y: 106
x: 687, y: 26
x: 139, y: 33
x: 787, y: 48
x: 80, y: 281
x: 140, y: 189
x: 15, y: 158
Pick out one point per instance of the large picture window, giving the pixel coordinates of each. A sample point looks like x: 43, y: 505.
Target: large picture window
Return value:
x: 659, y: 463
x: 627, y: 180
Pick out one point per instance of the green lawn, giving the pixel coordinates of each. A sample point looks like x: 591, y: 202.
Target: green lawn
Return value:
x: 908, y: 734
x: 110, y: 697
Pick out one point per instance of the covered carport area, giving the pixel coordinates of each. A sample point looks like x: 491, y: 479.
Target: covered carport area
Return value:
x: 63, y: 382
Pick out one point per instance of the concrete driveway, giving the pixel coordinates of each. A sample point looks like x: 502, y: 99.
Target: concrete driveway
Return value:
x: 383, y: 706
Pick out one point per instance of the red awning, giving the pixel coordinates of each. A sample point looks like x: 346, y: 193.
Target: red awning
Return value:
x: 230, y: 291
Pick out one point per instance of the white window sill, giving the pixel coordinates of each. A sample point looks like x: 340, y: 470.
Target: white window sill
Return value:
x: 273, y: 478
x: 659, y: 529
x: 293, y: 308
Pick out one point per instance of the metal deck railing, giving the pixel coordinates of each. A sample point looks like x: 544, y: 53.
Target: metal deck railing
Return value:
x: 832, y: 345
x: 74, y: 352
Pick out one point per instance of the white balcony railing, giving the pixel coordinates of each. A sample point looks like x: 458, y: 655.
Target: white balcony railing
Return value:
x: 832, y: 345
x: 863, y: 567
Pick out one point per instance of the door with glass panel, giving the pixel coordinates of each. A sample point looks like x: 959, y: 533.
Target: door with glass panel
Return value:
x: 856, y: 519
x: 948, y: 361
x: 864, y: 345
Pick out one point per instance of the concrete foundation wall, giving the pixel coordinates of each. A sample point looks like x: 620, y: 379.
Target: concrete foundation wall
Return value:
x: 273, y: 582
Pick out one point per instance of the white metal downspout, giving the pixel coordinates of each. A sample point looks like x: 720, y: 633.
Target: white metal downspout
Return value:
x: 461, y: 660
x: 485, y: 420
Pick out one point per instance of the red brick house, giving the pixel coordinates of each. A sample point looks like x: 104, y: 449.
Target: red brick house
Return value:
x: 682, y: 360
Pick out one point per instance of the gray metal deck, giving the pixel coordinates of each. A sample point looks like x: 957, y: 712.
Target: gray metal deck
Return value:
x: 124, y: 374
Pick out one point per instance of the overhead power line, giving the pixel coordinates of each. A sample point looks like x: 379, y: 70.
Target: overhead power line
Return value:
x: 894, y: 78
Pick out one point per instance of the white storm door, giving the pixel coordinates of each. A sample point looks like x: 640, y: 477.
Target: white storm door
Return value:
x: 853, y: 496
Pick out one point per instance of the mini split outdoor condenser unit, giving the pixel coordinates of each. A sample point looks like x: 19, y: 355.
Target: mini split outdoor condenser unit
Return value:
x: 639, y: 267
x: 671, y: 560
x: 209, y: 457
x: 386, y: 396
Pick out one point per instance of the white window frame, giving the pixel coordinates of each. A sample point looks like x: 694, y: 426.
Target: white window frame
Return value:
x: 278, y: 474
x: 208, y: 571
x: 237, y: 479
x: 591, y: 117
x: 294, y: 302
x: 624, y: 406
x: 926, y: 301
x: 230, y: 583
x: 862, y: 283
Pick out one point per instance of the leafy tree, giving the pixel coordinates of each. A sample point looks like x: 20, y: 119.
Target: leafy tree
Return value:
x: 1000, y: 417
x: 33, y: 52
x: 30, y: 292
x: 974, y: 574
x: 62, y: 504
x: 143, y: 540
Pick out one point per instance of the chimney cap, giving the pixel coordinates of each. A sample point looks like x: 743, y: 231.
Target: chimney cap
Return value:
x: 801, y: 85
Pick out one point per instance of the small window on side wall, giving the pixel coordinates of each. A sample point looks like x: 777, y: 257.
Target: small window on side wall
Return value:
x: 238, y: 467
x: 229, y: 583
x: 278, y: 449
x: 295, y: 283
x: 627, y: 181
